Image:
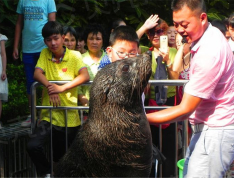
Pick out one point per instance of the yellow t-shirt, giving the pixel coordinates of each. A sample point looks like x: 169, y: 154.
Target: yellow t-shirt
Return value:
x: 68, y: 69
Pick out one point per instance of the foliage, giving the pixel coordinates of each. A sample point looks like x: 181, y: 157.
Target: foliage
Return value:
x: 219, y: 9
x: 17, y: 104
x: 81, y: 12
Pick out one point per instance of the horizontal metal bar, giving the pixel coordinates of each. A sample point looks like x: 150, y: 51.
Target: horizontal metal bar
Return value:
x: 179, y: 82
x: 63, y: 107
x: 169, y: 82
x: 60, y: 82
x: 86, y: 107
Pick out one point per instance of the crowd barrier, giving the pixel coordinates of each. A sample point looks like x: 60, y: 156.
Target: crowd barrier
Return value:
x: 22, y: 166
x: 14, y: 160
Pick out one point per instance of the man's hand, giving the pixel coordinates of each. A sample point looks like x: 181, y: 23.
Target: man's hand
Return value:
x: 55, y: 100
x: 150, y: 23
x: 15, y: 54
x: 53, y: 88
x: 165, y: 56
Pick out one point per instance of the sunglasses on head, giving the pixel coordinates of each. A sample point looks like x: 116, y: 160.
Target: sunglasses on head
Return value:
x: 158, y: 32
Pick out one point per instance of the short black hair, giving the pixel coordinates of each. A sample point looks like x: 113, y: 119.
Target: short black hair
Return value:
x: 79, y: 33
x: 94, y: 28
x: 125, y: 33
x: 51, y: 28
x: 231, y: 20
x: 116, y: 23
x: 192, y: 4
x: 71, y: 30
x: 220, y: 25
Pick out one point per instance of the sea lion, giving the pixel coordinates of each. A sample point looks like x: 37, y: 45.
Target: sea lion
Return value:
x: 115, y: 140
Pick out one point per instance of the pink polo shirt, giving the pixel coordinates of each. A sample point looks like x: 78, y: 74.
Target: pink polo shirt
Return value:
x: 212, y: 79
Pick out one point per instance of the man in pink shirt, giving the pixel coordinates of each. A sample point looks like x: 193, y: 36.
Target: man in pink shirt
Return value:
x: 208, y: 100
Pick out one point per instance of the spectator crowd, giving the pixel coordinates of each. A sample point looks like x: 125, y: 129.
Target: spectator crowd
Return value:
x: 51, y: 51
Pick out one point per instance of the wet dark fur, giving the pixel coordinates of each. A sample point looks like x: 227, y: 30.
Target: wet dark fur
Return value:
x: 115, y: 141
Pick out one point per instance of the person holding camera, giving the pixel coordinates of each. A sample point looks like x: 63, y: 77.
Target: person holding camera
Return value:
x: 162, y: 60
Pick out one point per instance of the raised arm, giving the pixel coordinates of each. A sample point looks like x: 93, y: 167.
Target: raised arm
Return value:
x: 149, y: 23
x: 178, y: 60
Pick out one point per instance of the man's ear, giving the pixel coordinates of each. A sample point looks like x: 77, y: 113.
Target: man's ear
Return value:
x: 203, y: 18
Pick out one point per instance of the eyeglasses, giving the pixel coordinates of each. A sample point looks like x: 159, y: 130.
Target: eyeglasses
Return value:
x: 158, y: 32
x: 123, y: 55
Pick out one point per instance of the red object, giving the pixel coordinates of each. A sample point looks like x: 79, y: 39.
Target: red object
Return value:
x: 151, y: 48
x: 64, y: 69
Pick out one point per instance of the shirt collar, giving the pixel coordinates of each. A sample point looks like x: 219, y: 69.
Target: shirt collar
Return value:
x: 61, y: 58
x: 195, y: 45
x: 89, y: 60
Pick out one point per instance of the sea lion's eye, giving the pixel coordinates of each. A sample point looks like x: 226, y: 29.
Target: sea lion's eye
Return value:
x: 125, y: 68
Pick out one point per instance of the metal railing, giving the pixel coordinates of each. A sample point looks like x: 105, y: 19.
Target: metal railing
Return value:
x: 152, y: 82
x: 14, y: 161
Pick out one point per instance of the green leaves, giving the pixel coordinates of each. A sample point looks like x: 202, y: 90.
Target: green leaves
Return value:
x: 17, y: 104
x: 17, y: 98
x: 224, y: 3
x: 6, y: 4
x: 218, y: 9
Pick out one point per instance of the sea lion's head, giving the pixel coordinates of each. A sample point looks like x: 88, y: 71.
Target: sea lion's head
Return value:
x: 122, y: 82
